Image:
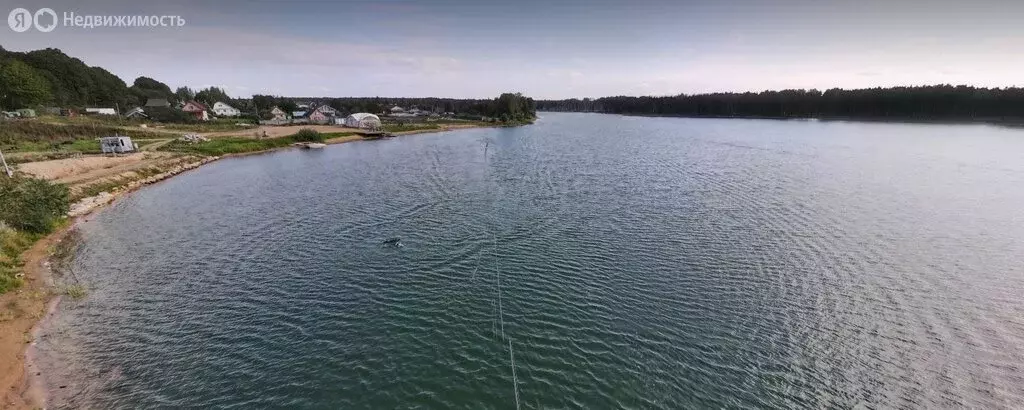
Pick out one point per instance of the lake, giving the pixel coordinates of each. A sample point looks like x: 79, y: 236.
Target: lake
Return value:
x: 629, y: 262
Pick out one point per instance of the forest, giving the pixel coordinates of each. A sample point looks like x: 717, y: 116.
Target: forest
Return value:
x: 936, y: 102
x: 50, y: 77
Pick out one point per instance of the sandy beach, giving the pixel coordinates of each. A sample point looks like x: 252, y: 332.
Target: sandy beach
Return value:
x: 28, y: 305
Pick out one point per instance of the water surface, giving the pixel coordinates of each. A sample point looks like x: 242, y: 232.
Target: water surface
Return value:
x: 632, y: 263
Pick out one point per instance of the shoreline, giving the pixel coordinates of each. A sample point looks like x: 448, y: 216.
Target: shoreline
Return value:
x: 38, y: 299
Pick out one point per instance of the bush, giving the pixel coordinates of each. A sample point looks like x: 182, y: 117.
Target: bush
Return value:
x: 308, y: 135
x: 32, y: 205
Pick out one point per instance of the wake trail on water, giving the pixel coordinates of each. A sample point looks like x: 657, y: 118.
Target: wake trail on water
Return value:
x: 501, y: 313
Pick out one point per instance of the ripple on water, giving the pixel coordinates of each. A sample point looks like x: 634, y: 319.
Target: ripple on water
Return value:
x: 643, y: 263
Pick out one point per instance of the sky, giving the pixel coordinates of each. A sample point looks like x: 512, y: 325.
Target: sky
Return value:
x: 545, y: 49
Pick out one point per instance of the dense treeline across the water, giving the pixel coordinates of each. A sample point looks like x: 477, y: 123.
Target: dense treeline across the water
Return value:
x: 937, y: 102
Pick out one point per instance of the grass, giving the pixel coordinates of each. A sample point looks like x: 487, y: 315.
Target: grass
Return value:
x: 329, y: 135
x: 75, y: 291
x: 239, y: 145
x: 111, y: 185
x: 96, y: 188
x: 84, y: 146
x: 36, y: 135
x: 228, y: 145
x: 12, y: 244
x: 410, y: 127
x: 217, y: 125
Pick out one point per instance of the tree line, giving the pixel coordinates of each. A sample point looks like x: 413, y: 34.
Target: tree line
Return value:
x: 508, y: 106
x: 50, y: 77
x: 935, y: 102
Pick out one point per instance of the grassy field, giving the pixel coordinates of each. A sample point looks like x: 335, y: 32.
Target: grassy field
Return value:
x: 79, y: 134
x: 33, y: 135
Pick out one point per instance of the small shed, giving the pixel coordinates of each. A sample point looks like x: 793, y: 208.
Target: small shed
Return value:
x: 116, y: 145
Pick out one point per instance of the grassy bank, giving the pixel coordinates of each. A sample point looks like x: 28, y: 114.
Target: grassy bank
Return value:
x: 12, y: 244
x: 29, y: 209
x: 227, y: 145
x: 214, y: 125
x: 110, y: 185
x: 241, y: 145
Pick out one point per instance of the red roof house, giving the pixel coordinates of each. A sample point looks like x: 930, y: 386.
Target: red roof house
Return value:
x: 197, y: 109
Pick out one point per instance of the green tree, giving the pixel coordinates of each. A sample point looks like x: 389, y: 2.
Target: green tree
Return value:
x: 287, y: 106
x: 145, y: 88
x: 211, y: 95
x: 184, y: 94
x: 21, y: 86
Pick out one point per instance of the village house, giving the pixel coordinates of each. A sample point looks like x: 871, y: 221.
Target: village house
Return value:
x: 225, y: 110
x: 322, y: 114
x: 197, y: 110
x: 279, y: 114
x: 299, y: 117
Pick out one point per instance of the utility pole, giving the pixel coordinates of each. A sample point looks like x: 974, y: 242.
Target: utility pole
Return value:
x: 10, y: 174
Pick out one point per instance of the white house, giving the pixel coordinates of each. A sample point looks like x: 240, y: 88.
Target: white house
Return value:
x: 362, y: 120
x: 101, y: 111
x: 224, y: 110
